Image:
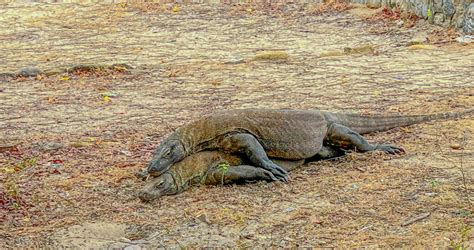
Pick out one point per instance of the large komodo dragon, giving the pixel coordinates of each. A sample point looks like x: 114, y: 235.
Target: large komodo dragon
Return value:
x: 214, y: 168
x: 281, y: 134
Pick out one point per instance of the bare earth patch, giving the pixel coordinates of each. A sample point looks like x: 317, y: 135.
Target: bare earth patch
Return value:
x: 70, y: 143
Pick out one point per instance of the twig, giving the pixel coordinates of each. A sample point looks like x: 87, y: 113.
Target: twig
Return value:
x: 104, y: 239
x: 415, y: 219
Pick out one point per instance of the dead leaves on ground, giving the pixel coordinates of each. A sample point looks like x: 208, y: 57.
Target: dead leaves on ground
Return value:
x: 388, y: 15
x: 332, y: 6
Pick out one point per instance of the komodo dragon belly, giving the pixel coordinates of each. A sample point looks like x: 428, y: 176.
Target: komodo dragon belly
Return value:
x: 285, y: 134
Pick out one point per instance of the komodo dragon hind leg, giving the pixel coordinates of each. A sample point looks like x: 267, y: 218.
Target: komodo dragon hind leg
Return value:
x: 328, y: 153
x: 343, y: 136
x: 237, y: 174
x: 249, y: 145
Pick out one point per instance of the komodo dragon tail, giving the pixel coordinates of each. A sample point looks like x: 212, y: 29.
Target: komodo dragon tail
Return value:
x: 366, y: 124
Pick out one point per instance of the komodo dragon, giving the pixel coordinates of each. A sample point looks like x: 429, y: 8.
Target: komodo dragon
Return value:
x: 214, y: 168
x: 283, y: 134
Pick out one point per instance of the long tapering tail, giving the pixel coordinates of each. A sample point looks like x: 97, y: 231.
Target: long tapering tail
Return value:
x: 366, y: 124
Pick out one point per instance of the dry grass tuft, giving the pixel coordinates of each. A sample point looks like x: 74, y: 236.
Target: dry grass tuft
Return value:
x: 271, y: 56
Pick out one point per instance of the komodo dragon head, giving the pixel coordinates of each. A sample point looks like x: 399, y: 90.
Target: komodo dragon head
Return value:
x: 208, y: 168
x: 192, y: 170
x: 158, y: 187
x: 170, y: 151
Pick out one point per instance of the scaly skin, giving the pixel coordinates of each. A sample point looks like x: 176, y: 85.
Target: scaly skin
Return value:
x: 285, y: 134
x: 214, y: 168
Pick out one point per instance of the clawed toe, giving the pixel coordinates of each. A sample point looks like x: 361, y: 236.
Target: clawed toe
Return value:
x: 280, y: 177
x: 269, y: 176
x: 390, y: 149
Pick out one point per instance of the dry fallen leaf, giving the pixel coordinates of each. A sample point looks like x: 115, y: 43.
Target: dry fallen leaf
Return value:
x: 175, y: 8
x: 64, y: 78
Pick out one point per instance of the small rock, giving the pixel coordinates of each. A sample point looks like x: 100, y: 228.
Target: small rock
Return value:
x: 132, y: 247
x: 48, y: 146
x: 456, y: 146
x: 203, y: 218
x: 438, y: 19
x: 366, y: 228
x: 289, y: 209
x: 420, y: 38
x: 400, y: 23
x: 126, y: 152
x: 465, y: 39
x: 29, y: 71
x: 235, y: 61
x: 431, y: 194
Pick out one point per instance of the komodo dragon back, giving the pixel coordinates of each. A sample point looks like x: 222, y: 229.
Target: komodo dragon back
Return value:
x: 366, y: 124
x: 285, y: 134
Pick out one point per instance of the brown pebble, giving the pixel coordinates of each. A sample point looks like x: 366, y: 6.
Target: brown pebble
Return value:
x: 456, y: 146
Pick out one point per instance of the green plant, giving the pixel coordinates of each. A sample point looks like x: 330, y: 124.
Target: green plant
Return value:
x: 25, y: 163
x: 223, y: 168
x: 461, y: 243
x: 12, y: 192
x: 434, y: 183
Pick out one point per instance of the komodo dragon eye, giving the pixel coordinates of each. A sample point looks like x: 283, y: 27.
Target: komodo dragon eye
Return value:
x: 160, y: 184
x: 167, y: 153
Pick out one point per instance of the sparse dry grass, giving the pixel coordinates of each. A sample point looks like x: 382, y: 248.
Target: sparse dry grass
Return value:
x: 360, y: 201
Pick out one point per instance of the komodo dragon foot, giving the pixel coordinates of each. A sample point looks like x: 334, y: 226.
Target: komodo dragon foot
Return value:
x: 236, y: 174
x: 343, y: 136
x: 249, y: 145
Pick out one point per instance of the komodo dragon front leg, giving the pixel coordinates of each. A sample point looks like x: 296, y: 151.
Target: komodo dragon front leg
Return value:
x: 249, y: 145
x: 247, y: 173
x: 238, y: 174
x: 342, y: 136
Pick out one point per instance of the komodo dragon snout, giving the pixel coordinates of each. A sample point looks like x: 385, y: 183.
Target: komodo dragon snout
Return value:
x: 158, y: 187
x: 170, y: 151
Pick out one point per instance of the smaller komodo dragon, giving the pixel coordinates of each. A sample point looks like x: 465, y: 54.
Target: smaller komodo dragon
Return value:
x: 280, y: 134
x: 214, y: 168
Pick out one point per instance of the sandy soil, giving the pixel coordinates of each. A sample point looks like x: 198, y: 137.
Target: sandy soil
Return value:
x: 70, y: 143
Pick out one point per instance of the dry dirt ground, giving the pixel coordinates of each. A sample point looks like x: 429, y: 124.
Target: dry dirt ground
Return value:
x: 70, y: 143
